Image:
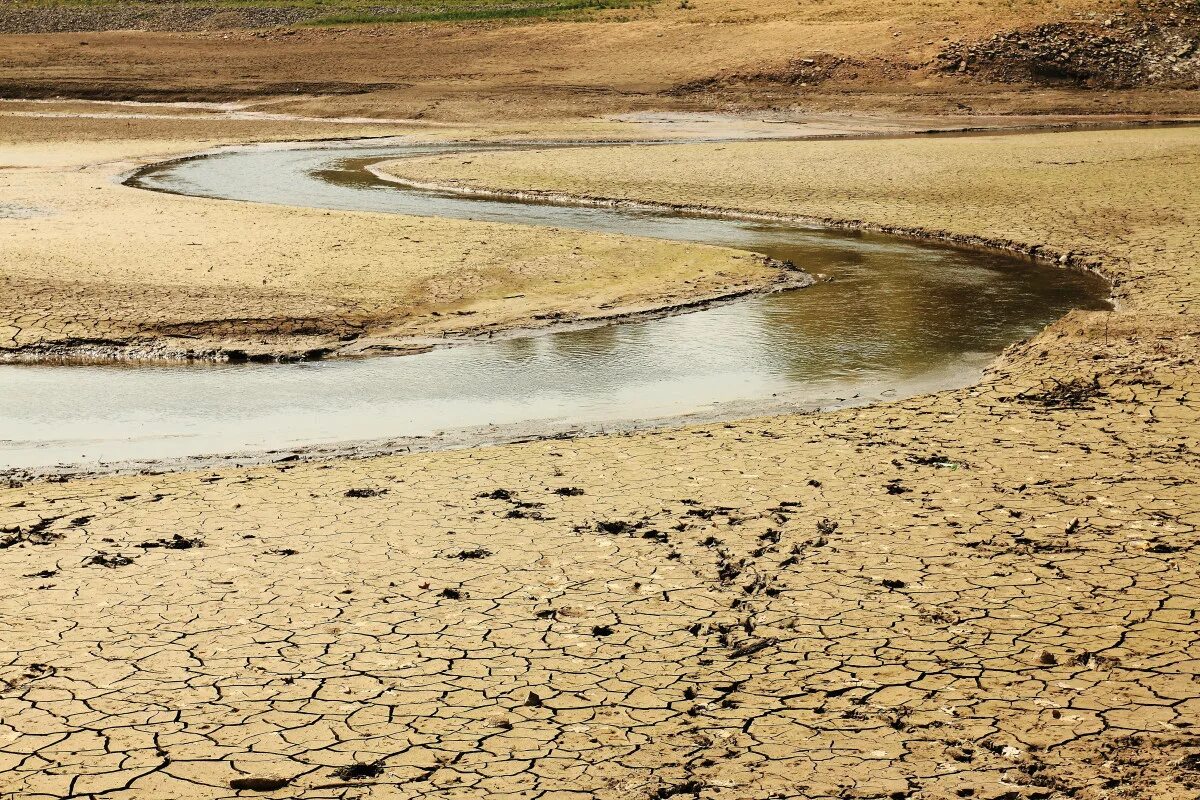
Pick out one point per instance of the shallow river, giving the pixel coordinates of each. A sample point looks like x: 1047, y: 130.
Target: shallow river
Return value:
x: 898, y: 318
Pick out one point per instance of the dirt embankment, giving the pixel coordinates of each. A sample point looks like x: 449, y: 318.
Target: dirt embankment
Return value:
x: 1147, y: 46
x: 1154, y: 44
x: 938, y: 56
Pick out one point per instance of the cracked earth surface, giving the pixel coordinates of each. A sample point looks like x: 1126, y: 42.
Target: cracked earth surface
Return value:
x: 986, y: 593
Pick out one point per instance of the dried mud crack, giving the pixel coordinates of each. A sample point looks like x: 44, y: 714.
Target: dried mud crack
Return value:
x: 707, y: 615
x: 987, y: 593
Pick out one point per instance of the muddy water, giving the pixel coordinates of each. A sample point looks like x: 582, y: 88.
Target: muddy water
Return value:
x: 898, y: 318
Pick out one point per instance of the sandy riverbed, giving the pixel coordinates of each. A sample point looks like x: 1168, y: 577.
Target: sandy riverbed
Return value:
x: 986, y: 593
x: 96, y: 269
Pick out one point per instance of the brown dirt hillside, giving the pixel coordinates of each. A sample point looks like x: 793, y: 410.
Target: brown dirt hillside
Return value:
x: 711, y: 54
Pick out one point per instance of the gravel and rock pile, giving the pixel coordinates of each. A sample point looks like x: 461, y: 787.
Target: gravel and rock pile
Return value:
x: 1155, y: 44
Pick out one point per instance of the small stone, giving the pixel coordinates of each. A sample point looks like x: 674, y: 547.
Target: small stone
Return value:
x: 259, y: 783
x: 354, y: 772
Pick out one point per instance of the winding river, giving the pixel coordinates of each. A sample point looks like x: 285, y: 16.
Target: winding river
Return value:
x: 897, y: 318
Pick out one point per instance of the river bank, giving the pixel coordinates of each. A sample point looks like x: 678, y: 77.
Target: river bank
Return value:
x: 777, y: 56
x: 281, y: 283
x: 288, y: 283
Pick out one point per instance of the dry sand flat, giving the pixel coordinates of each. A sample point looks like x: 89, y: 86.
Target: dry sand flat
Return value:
x: 91, y: 267
x: 986, y: 593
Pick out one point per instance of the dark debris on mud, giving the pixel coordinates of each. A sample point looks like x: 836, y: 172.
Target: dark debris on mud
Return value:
x: 360, y: 771
x: 176, y: 542
x: 109, y: 560
x: 37, y: 533
x: 1073, y: 393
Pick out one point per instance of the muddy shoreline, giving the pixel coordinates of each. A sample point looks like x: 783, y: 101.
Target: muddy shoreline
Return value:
x: 466, y: 439
x: 315, y: 313
x: 1035, y: 252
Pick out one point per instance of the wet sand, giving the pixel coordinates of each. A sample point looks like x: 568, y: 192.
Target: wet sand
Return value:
x: 984, y: 593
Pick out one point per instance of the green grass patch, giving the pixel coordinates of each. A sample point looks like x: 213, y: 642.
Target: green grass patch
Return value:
x: 347, y: 12
x: 474, y: 12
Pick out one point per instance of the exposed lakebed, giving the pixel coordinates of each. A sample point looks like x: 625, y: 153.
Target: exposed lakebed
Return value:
x: 898, y: 318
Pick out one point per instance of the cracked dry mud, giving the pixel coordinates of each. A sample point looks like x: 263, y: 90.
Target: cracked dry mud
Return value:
x: 986, y: 593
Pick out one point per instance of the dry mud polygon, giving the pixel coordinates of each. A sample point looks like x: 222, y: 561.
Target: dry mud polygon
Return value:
x: 987, y: 593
